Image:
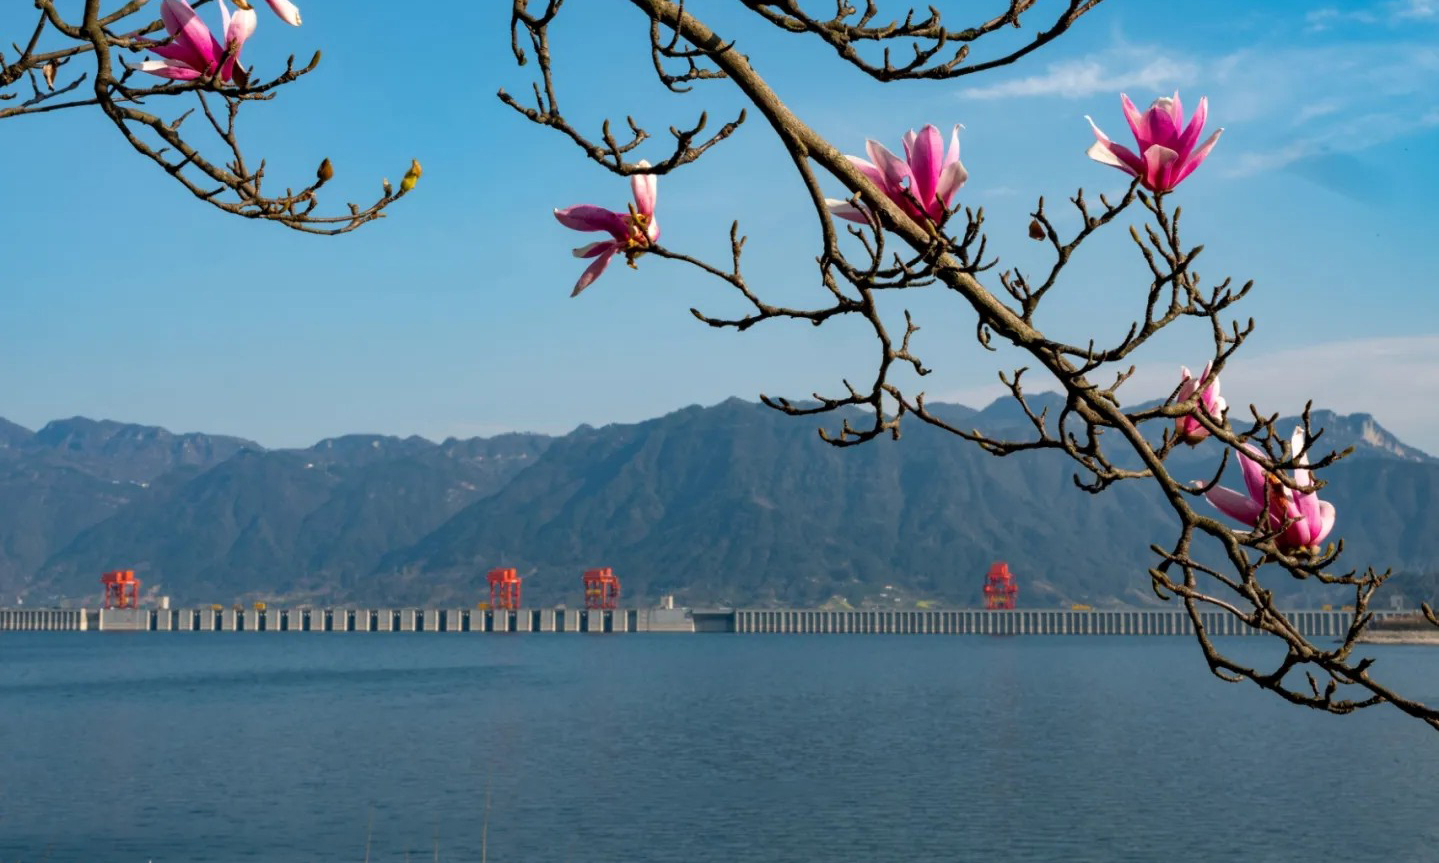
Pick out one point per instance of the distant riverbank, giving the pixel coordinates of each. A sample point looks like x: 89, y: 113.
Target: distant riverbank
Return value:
x: 1400, y: 636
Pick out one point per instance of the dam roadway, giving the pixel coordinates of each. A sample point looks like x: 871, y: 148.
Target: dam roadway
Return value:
x: 961, y: 621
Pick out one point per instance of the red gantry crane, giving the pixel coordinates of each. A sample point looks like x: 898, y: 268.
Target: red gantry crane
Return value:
x: 504, y: 589
x: 602, y: 589
x: 122, y: 589
x: 1000, y: 588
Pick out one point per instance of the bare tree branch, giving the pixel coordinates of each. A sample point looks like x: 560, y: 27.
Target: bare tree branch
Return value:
x: 906, y: 246
x: 224, y: 181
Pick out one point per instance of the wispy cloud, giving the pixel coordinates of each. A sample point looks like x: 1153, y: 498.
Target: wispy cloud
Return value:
x: 1390, y: 12
x: 1426, y: 10
x: 1318, y: 20
x: 1299, y: 105
x: 1360, y: 133
x: 1360, y: 97
x: 1075, y: 79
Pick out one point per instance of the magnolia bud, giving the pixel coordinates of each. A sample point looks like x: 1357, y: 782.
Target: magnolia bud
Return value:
x: 48, y: 70
x: 326, y: 172
x: 412, y: 176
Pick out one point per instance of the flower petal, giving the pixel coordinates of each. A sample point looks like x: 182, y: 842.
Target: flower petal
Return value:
x: 1138, y: 123
x: 893, y: 170
x: 594, y: 249
x: 592, y: 272
x: 950, y: 182
x: 172, y: 15
x: 1254, y: 479
x: 238, y: 28
x: 587, y: 217
x: 190, y: 40
x: 1106, y: 152
x: 191, y: 31
x: 871, y: 172
x: 1157, y: 162
x: 180, y: 53
x: 1327, y: 516
x: 953, y: 176
x: 1306, y: 502
x: 1194, y: 129
x: 1187, y: 385
x: 1189, y: 430
x: 846, y: 210
x: 926, y: 162
x: 1198, y: 156
x: 646, y: 189
x: 167, y: 69
x: 1302, y: 475
x: 1115, y: 155
x: 952, y: 154
x: 288, y: 12
x: 1211, y: 395
x: 1163, y: 128
x: 1234, y: 504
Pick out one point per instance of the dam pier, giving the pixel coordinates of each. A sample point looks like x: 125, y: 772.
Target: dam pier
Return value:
x: 960, y: 621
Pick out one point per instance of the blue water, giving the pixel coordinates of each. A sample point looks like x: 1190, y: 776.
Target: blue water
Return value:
x: 280, y: 747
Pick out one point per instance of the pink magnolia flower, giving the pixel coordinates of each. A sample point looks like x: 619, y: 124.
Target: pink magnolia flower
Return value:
x: 630, y: 232
x: 922, y: 184
x: 288, y: 12
x: 1187, y: 427
x: 1311, y: 518
x: 193, y: 51
x: 1166, y: 146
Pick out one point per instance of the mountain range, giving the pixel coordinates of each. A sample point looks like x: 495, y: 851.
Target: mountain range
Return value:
x: 732, y: 504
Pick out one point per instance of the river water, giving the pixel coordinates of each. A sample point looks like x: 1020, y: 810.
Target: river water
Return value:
x: 636, y: 748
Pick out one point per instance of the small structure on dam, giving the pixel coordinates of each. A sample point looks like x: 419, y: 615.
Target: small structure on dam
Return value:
x: 504, y: 589
x: 122, y: 589
x: 602, y: 589
x: 1000, y: 588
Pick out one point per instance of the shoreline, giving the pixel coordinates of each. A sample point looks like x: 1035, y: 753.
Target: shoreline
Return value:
x: 1401, y: 636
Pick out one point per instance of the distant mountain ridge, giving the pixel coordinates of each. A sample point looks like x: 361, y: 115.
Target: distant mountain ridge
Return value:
x: 1367, y: 435
x: 729, y: 504
x: 119, y: 451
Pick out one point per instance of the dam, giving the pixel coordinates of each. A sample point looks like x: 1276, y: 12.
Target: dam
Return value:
x: 961, y: 621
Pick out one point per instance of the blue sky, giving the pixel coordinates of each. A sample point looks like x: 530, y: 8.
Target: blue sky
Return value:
x: 127, y: 299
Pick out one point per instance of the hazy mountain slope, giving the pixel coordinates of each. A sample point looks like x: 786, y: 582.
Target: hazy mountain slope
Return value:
x: 287, y: 522
x: 728, y: 504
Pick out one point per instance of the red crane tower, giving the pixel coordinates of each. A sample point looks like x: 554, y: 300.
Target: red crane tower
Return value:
x: 1000, y: 588
x: 504, y: 589
x: 122, y: 589
x: 602, y: 589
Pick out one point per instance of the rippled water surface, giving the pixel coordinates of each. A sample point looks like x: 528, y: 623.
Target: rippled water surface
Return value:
x: 280, y: 747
